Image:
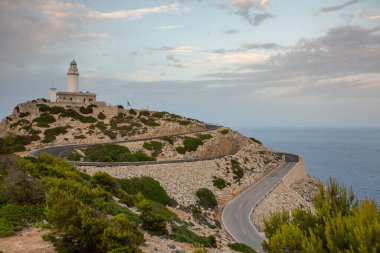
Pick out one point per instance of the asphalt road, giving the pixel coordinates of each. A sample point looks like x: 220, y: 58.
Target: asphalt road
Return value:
x: 236, y: 214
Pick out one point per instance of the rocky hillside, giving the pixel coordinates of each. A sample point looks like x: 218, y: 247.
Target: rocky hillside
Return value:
x: 43, y: 123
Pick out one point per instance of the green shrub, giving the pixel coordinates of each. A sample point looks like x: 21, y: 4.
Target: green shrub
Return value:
x: 114, y: 153
x: 191, y: 144
x: 57, y: 110
x: 74, y: 156
x: 255, y: 140
x: 149, y: 187
x: 43, y: 108
x: 183, y: 234
x: 154, y: 223
x: 112, y: 135
x: 224, y: 131
x: 181, y: 150
x: 241, y: 247
x: 150, y: 122
x: 205, y: 137
x: 20, y: 122
x: 132, y: 112
x: 159, y: 114
x: 237, y: 170
x: 168, y: 139
x: 144, y: 113
x: 44, y: 120
x: 101, y: 116
x: 206, y: 198
x: 70, y: 113
x: 12, y: 144
x: 79, y: 137
x: 24, y: 114
x: 155, y: 146
x: 52, y: 133
x: 106, y: 181
x: 184, y: 122
x: 100, y: 125
x: 219, y: 183
x: 14, y: 217
x: 86, y: 110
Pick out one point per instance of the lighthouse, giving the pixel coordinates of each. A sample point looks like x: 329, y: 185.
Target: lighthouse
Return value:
x: 73, y: 77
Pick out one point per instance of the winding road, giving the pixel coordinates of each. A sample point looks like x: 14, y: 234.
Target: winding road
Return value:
x: 236, y: 214
x: 62, y: 150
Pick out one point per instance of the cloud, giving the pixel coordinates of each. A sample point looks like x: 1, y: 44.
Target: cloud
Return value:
x: 372, y: 14
x: 338, y: 7
x: 266, y: 46
x: 172, y: 58
x: 169, y: 27
x: 180, y: 49
x: 253, y: 11
x: 231, y: 31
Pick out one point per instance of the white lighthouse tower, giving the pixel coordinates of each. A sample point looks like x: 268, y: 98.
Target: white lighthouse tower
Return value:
x: 73, y: 77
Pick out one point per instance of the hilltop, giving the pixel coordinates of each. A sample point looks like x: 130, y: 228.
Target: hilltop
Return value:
x: 196, y: 191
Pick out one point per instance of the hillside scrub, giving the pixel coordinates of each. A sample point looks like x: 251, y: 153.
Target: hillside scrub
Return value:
x: 154, y: 146
x: 12, y: 144
x: 206, y: 198
x: 189, y: 144
x: 52, y: 133
x: 149, y: 187
x: 44, y: 120
x: 340, y: 223
x: 241, y: 247
x: 114, y: 153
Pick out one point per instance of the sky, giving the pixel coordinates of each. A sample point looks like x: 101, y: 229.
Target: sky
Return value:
x: 240, y: 63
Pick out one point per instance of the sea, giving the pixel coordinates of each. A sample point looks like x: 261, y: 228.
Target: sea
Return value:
x: 350, y: 155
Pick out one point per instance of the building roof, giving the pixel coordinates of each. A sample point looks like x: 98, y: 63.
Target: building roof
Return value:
x: 75, y: 93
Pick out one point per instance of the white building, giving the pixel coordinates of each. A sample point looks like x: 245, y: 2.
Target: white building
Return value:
x: 72, y: 95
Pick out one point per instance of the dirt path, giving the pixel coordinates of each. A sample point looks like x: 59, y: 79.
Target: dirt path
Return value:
x: 28, y: 240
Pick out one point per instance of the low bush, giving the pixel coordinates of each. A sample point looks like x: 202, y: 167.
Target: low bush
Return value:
x: 44, y: 120
x: 106, y: 181
x: 86, y: 110
x: 101, y: 116
x: 74, y: 156
x: 57, y: 109
x: 237, y: 170
x: 206, y: 198
x: 52, y: 133
x: 132, y: 112
x: 12, y: 144
x: 219, y: 183
x: 112, y: 135
x: 224, y: 131
x: 205, y: 136
x: 183, y: 234
x: 149, y: 187
x: 154, y: 146
x: 24, y: 114
x: 159, y: 114
x: 100, y: 125
x: 191, y: 144
x: 150, y: 122
x: 181, y: 150
x: 168, y: 139
x: 114, y: 153
x: 255, y: 140
x: 184, y: 122
x: 241, y: 247
x: 144, y: 113
x: 70, y: 113
x: 43, y: 108
x: 20, y: 122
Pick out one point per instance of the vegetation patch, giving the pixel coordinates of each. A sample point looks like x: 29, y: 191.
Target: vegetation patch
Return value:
x: 159, y: 114
x: 149, y: 122
x: 112, y: 135
x: 219, y: 183
x: 168, y: 139
x: 149, y: 187
x: 74, y: 156
x: 100, y: 125
x: 183, y: 234
x: 189, y: 144
x: 101, y: 116
x: 154, y: 146
x: 184, y: 122
x: 52, y: 133
x: 87, y: 110
x: 24, y: 114
x: 21, y: 122
x: 255, y: 140
x: 114, y: 153
x: 12, y: 144
x: 206, y: 198
x: 224, y: 131
x: 237, y: 170
x: 205, y: 137
x: 44, y: 120
x: 70, y: 113
x: 43, y: 108
x: 241, y: 247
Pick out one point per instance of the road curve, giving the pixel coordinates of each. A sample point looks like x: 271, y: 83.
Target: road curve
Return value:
x: 236, y: 214
x: 64, y: 149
